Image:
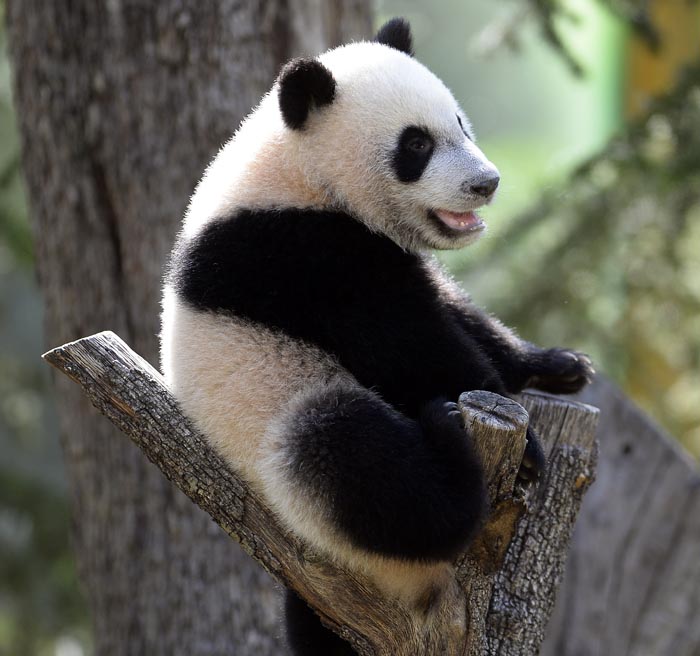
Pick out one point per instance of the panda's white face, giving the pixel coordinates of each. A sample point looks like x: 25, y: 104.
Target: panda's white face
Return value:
x: 395, y: 148
x: 368, y: 130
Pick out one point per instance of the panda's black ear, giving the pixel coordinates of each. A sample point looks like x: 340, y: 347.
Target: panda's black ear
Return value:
x: 396, y: 34
x: 303, y: 84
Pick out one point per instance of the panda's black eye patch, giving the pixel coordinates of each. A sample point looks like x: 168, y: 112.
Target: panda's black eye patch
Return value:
x: 412, y: 153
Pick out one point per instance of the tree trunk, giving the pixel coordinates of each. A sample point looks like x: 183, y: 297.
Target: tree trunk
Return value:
x: 121, y: 104
x: 501, y: 593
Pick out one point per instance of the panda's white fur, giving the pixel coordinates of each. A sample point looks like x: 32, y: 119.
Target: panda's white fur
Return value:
x: 238, y: 381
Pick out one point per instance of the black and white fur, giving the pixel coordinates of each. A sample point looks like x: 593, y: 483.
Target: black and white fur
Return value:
x: 317, y: 346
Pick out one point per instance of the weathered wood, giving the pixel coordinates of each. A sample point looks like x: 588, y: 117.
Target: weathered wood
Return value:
x: 522, y: 591
x: 503, y: 590
x: 632, y: 585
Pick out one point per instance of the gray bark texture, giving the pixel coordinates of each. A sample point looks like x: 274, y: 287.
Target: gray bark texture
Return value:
x: 121, y: 104
x: 632, y: 584
x: 503, y: 590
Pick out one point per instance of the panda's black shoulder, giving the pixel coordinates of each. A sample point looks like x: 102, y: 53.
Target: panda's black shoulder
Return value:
x: 265, y: 261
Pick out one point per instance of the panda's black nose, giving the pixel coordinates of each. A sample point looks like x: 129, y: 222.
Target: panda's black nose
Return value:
x: 485, y: 187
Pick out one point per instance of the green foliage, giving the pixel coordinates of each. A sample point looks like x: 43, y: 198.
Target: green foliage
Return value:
x: 609, y: 261
x: 552, y: 15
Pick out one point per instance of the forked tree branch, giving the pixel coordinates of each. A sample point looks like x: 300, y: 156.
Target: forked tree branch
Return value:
x: 503, y: 591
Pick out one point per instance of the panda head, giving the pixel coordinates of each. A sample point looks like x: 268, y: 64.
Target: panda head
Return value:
x: 385, y: 140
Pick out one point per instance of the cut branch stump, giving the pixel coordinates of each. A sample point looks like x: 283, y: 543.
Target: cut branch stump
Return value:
x: 504, y: 587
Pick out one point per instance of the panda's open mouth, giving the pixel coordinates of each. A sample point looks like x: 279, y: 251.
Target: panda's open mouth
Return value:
x: 458, y: 221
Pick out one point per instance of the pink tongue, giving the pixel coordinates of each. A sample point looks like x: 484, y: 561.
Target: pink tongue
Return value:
x: 458, y: 220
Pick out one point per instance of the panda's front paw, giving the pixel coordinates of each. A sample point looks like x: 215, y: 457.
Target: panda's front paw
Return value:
x: 534, y: 461
x: 560, y: 371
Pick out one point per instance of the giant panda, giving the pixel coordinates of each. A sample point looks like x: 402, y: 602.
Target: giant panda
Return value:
x: 311, y: 337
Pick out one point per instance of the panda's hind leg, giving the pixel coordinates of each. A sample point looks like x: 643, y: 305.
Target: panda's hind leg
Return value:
x: 343, y: 466
x: 306, y: 635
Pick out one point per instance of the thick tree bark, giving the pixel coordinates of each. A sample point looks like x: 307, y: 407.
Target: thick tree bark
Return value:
x: 121, y: 104
x: 503, y: 589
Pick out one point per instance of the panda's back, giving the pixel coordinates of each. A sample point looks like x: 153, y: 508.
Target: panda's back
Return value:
x: 324, y: 280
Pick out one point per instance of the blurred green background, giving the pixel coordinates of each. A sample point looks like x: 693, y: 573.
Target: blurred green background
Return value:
x: 593, y: 242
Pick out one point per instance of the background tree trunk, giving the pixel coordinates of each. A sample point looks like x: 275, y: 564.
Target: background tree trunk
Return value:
x: 632, y: 582
x: 121, y: 104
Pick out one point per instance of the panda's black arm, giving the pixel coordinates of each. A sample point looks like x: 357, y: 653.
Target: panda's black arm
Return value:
x: 324, y: 278
x: 519, y: 363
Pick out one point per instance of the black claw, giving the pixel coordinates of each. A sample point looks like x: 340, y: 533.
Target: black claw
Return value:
x: 442, y: 420
x: 457, y: 416
x: 534, y: 461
